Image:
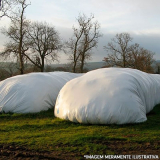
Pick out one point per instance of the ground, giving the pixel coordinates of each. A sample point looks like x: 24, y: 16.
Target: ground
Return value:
x: 43, y: 136
x: 21, y: 153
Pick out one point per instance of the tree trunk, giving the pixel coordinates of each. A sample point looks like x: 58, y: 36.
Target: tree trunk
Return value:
x: 82, y: 64
x: 21, y: 62
x: 20, y: 51
x: 20, y: 44
x: 42, y: 66
x: 74, y: 67
x: 124, y: 60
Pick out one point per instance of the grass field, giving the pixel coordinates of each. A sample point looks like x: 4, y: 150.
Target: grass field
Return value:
x: 43, y: 133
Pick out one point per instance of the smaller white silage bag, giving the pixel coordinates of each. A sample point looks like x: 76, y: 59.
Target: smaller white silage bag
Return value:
x: 109, y: 96
x: 32, y: 92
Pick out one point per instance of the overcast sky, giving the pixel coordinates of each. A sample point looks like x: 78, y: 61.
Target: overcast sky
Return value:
x: 140, y: 18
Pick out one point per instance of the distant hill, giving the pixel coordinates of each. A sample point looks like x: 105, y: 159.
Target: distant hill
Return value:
x: 94, y: 65
x: 89, y: 66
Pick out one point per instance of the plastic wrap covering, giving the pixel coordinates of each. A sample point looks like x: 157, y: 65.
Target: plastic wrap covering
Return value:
x: 32, y: 92
x: 109, y: 96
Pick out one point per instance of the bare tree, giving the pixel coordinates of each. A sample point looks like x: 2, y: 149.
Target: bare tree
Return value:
x: 85, y: 38
x: 44, y: 43
x: 74, y: 44
x: 141, y: 58
x: 17, y: 33
x: 123, y: 54
x: 5, y: 7
x: 89, y: 41
x: 8, y: 8
x: 118, y: 50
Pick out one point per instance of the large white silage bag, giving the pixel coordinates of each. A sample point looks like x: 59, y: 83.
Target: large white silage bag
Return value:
x: 32, y: 92
x: 109, y: 96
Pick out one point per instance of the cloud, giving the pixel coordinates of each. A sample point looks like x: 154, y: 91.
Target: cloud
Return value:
x: 114, y: 15
x: 140, y: 18
x: 150, y: 42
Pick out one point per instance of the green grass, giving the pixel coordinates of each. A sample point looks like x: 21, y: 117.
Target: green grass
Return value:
x: 42, y: 131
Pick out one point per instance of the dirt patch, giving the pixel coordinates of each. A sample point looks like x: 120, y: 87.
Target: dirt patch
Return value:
x: 12, y: 152
x: 125, y: 148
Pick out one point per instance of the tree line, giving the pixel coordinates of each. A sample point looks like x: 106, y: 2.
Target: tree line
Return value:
x: 39, y: 42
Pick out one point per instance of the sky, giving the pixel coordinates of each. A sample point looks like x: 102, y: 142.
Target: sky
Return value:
x: 139, y: 18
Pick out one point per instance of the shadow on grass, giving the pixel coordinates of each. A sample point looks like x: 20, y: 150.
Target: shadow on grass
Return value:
x: 43, y: 114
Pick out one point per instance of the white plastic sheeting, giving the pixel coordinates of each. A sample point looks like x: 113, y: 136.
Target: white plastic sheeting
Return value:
x: 109, y: 96
x: 32, y: 92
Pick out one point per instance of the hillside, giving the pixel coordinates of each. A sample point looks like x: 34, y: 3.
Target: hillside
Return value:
x: 89, y: 66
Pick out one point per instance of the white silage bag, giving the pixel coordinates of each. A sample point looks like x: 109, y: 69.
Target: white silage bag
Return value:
x: 109, y: 96
x: 32, y: 92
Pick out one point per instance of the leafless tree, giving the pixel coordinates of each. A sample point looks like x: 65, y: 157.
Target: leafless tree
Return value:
x: 118, y: 50
x: 85, y: 38
x: 74, y: 45
x: 44, y: 43
x: 8, y: 8
x: 17, y: 33
x: 5, y: 7
x: 123, y: 54
x: 141, y: 58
